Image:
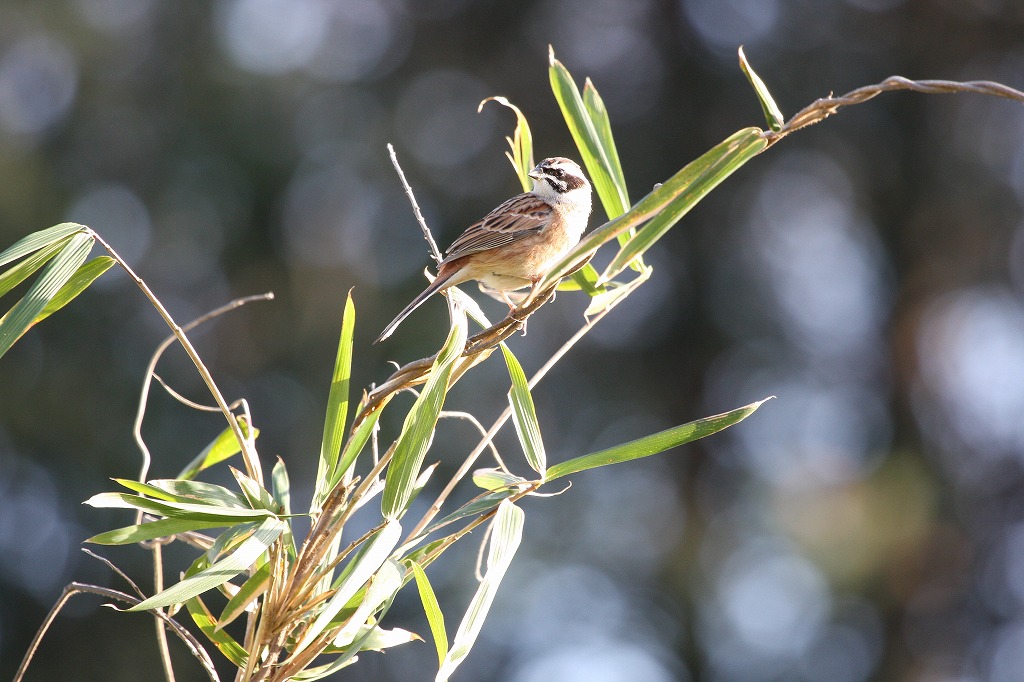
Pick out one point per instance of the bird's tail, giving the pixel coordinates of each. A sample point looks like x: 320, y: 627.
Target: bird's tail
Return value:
x: 435, y: 286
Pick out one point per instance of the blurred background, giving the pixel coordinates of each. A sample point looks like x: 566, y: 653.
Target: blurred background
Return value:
x: 866, y: 525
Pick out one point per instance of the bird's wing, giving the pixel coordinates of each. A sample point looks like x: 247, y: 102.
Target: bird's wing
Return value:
x: 522, y: 215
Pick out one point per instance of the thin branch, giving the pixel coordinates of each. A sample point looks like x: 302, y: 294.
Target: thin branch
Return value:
x: 164, y: 345
x: 435, y: 253
x: 82, y: 588
x: 821, y: 109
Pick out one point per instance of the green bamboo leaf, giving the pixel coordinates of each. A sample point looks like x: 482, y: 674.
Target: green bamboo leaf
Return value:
x: 653, y: 444
x: 20, y: 272
x: 244, y: 556
x: 694, y: 182
x: 208, y: 625
x: 379, y: 639
x: 150, y: 531
x: 383, y: 586
x: 435, y: 618
x: 57, y: 273
x: 281, y: 488
x: 337, y: 405
x: 481, y: 504
x: 196, y: 512
x: 584, y: 133
x: 642, y: 211
x: 418, y: 429
x: 253, y: 587
x: 177, y: 490
x: 496, y: 479
x: 40, y: 240
x: 354, y: 446
x: 603, y: 127
x: 507, y: 532
x: 256, y: 496
x: 772, y: 113
x: 524, y: 414
x: 79, y: 282
x: 357, y: 572
x: 224, y: 446
x: 521, y: 143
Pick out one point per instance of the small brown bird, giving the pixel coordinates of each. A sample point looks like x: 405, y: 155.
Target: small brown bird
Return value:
x: 516, y: 244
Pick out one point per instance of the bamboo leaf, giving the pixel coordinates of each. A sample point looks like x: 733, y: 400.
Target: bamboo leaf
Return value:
x: 224, y: 446
x: 642, y: 211
x: 524, y: 414
x: 435, y: 618
x: 418, y: 430
x: 359, y: 570
x: 584, y: 133
x: 507, y: 532
x: 691, y: 184
x: 496, y: 479
x: 150, y: 531
x: 653, y: 444
x: 772, y: 113
x: 603, y: 127
x: 20, y: 272
x: 383, y: 585
x: 57, y: 273
x: 208, y: 625
x: 252, y: 588
x: 177, y: 490
x: 79, y: 282
x: 196, y: 512
x: 337, y: 405
x: 521, y: 143
x: 39, y: 240
x: 244, y: 556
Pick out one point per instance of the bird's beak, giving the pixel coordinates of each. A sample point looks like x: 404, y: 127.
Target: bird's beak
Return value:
x: 535, y: 173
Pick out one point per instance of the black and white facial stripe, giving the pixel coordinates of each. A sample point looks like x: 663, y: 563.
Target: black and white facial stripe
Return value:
x: 560, y: 174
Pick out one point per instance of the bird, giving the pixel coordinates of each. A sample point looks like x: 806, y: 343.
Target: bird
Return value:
x: 518, y: 242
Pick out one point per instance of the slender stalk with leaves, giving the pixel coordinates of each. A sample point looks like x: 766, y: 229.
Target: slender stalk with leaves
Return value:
x: 311, y: 605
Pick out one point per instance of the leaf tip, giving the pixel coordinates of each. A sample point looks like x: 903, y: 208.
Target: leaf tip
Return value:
x: 551, y: 55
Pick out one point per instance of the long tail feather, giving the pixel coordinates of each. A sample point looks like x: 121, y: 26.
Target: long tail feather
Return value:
x: 435, y: 286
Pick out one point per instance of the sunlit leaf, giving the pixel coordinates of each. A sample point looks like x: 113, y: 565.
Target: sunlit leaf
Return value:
x: 694, y: 182
x: 208, y: 625
x: 79, y: 282
x: 239, y: 560
x: 772, y: 113
x: 418, y: 430
x: 368, y: 561
x: 253, y: 587
x: 150, y: 531
x: 495, y: 479
x: 229, y: 516
x: 435, y: 618
x: 524, y: 414
x: 521, y: 143
x: 225, y: 445
x: 39, y: 240
x: 337, y: 406
x: 585, y: 134
x: 17, y: 274
x: 653, y: 444
x: 506, y: 534
x: 58, y: 271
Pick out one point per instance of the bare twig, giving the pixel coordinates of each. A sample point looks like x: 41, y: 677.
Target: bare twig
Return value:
x: 163, y: 346
x: 821, y: 109
x: 435, y: 253
x: 82, y: 588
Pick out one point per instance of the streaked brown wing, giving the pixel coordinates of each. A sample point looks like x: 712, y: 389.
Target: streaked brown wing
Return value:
x: 518, y: 217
